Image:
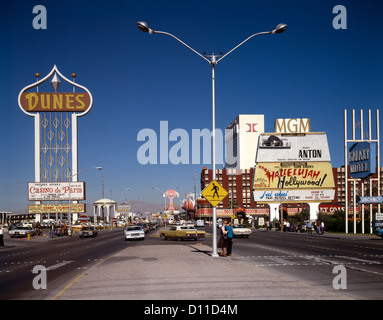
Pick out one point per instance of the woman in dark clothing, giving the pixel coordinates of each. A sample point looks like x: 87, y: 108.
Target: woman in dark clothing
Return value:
x: 229, y: 238
x: 223, y: 240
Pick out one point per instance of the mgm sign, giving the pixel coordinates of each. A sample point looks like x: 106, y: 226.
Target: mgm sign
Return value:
x: 55, y: 115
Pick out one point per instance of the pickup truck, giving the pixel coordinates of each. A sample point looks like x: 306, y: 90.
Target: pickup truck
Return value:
x: 200, y: 223
x: 241, y: 230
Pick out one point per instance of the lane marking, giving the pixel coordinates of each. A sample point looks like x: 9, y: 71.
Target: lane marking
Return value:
x: 57, y: 296
x: 58, y: 265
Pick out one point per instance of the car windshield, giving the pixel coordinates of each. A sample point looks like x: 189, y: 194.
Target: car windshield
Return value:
x: 24, y: 228
x: 133, y: 228
x: 86, y: 229
x: 240, y: 226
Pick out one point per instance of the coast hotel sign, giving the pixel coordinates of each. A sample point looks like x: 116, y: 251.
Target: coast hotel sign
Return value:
x: 56, y: 146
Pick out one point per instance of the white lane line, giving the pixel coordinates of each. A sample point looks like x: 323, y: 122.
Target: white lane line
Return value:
x: 59, y: 265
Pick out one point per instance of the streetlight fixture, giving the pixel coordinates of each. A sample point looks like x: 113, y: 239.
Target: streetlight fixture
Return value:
x: 144, y: 27
x: 73, y: 175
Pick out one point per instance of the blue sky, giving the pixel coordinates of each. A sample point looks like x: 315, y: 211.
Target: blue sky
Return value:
x: 137, y: 80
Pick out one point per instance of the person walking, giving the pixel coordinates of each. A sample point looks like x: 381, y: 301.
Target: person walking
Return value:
x: 229, y: 238
x: 223, y: 239
x: 1, y: 235
x: 317, y: 225
x: 309, y: 227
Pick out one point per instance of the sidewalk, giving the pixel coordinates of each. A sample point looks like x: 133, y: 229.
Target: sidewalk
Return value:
x: 184, y: 272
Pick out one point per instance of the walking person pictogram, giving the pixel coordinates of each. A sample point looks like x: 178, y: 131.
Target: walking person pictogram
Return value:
x: 215, y: 188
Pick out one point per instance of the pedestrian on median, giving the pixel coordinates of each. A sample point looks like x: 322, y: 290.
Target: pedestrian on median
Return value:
x: 322, y: 227
x: 309, y: 227
x: 223, y: 239
x: 229, y: 238
x: 1, y: 235
x: 317, y: 225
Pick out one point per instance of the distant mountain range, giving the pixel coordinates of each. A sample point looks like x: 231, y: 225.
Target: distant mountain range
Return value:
x: 136, y: 206
x: 141, y: 206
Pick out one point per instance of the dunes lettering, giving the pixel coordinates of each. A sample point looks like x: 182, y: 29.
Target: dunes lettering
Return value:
x: 56, y: 102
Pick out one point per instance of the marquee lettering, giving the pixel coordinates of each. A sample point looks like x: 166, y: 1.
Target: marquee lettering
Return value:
x: 359, y: 155
x: 306, y: 154
x: 293, y: 125
x: 42, y: 101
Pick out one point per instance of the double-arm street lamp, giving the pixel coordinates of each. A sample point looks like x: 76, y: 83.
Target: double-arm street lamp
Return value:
x: 214, y: 59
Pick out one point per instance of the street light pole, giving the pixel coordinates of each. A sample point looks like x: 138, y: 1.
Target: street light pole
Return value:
x: 144, y: 27
x: 69, y: 195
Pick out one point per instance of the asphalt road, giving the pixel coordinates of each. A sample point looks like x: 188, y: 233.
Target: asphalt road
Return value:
x: 305, y: 258
x: 65, y: 258
x: 312, y: 258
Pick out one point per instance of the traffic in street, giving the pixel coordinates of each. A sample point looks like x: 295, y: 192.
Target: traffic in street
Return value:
x: 314, y: 259
x: 304, y: 258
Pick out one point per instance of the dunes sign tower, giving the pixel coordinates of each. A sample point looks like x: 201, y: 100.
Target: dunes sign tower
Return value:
x: 55, y: 102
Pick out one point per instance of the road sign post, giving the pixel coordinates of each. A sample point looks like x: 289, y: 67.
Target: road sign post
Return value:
x: 214, y: 193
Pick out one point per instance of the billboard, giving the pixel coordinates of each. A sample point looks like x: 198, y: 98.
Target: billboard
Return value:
x: 293, y: 175
x: 362, y: 159
x: 56, y: 191
x: 56, y: 208
x: 293, y: 196
x: 293, y: 147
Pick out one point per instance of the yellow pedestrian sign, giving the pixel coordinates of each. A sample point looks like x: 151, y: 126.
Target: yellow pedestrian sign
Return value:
x: 214, y: 193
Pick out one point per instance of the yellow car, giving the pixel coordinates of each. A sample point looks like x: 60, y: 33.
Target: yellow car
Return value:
x: 182, y: 233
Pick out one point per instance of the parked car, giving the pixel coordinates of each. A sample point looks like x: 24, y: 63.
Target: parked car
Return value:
x: 182, y: 233
x: 134, y: 232
x: 379, y: 232
x: 241, y: 230
x: 21, y: 232
x: 88, y: 232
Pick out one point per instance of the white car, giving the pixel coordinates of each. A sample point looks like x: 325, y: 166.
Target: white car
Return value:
x: 21, y: 232
x: 241, y: 230
x: 134, y: 233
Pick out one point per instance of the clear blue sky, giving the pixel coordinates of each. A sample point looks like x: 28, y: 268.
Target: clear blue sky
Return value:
x: 137, y: 80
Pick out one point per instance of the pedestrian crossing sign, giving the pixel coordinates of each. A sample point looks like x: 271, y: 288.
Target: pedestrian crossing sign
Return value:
x: 214, y: 193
